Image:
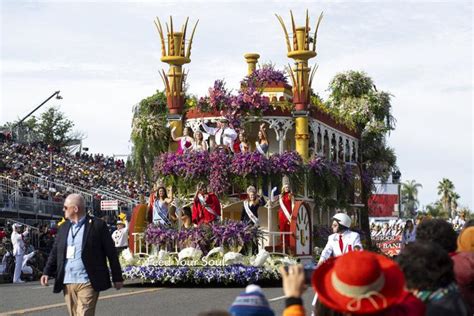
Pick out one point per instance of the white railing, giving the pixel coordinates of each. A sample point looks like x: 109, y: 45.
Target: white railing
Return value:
x: 139, y: 239
x: 281, y: 236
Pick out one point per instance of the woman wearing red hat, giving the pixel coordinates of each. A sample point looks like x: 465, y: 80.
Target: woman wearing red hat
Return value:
x: 373, y: 286
x: 342, y: 240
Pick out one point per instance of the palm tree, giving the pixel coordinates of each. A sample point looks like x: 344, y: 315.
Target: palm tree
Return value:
x: 454, y: 203
x: 445, y: 190
x: 409, y: 193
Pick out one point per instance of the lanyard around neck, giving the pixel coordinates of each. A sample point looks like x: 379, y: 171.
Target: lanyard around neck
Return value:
x: 77, y: 231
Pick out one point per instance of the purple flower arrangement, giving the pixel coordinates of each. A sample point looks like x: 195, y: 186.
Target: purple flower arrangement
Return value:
x: 231, y: 274
x: 321, y: 166
x: 169, y: 164
x: 234, y: 234
x: 163, y: 237
x: 253, y: 164
x: 266, y: 74
x: 228, y: 234
x: 219, y: 176
x: 287, y: 163
x: 196, y: 165
x: 249, y: 100
x: 221, y: 169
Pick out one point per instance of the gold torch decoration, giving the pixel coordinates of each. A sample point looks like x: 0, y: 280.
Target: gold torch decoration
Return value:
x: 176, y: 53
x: 301, y: 49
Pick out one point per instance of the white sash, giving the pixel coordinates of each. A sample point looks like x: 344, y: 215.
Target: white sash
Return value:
x: 183, y: 145
x: 259, y: 149
x: 160, y: 213
x: 249, y: 213
x: 210, y: 210
x: 285, y: 211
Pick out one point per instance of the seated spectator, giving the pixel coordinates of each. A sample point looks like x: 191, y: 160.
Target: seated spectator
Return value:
x: 429, y: 274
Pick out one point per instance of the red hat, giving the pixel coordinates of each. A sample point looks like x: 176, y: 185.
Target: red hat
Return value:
x: 359, y: 282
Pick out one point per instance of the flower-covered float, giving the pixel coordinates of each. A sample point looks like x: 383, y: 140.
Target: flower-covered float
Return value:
x: 270, y: 156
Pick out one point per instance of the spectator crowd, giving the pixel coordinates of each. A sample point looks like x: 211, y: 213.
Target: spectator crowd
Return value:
x: 84, y: 170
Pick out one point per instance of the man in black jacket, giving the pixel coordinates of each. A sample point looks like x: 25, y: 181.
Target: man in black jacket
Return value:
x: 78, y: 259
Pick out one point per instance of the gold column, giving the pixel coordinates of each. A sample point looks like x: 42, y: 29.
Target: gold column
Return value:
x: 175, y: 53
x: 251, y: 59
x: 301, y: 76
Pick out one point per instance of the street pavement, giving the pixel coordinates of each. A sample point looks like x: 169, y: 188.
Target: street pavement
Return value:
x: 134, y: 299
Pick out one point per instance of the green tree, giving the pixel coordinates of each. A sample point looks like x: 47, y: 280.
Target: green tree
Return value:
x: 454, y: 203
x: 445, y: 191
x: 150, y: 135
x: 355, y: 101
x: 54, y: 128
x: 435, y: 210
x: 409, y: 193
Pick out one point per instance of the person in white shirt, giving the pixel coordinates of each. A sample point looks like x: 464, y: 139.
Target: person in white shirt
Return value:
x: 223, y: 134
x: 342, y: 240
x: 18, y: 250
x: 120, y: 236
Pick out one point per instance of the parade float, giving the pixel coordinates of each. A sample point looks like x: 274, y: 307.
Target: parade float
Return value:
x: 285, y: 139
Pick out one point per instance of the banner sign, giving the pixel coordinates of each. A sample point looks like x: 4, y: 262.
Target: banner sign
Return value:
x: 389, y: 245
x: 109, y: 205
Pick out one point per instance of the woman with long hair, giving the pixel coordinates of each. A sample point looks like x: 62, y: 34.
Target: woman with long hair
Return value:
x: 262, y: 143
x: 286, y: 201
x: 251, y: 205
x: 159, y: 204
x: 200, y: 143
x: 409, y: 233
x: 243, y: 145
x: 185, y: 142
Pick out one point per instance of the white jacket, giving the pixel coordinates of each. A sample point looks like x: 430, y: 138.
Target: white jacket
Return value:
x: 349, y: 238
x: 120, y: 236
x: 18, y: 243
x: 225, y: 136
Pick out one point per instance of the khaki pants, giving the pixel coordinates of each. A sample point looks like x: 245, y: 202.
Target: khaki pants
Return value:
x: 81, y: 299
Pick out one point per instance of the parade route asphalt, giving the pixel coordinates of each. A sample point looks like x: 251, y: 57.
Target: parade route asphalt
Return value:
x: 134, y: 299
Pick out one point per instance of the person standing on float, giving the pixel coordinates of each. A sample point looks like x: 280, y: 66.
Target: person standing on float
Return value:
x: 286, y: 201
x: 158, y: 206
x: 251, y: 205
x: 223, y: 134
x: 185, y: 142
x: 206, y: 206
